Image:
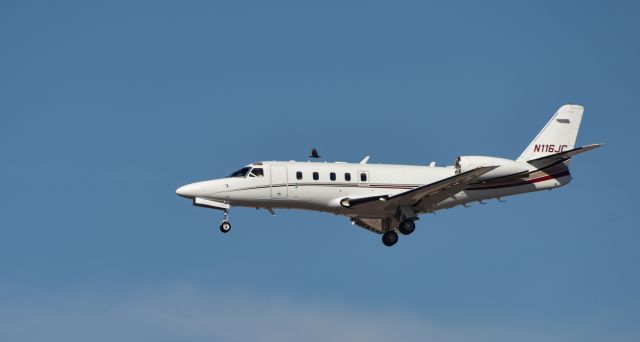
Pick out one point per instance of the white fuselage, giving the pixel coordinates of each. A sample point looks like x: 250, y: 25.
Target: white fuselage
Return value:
x: 321, y: 186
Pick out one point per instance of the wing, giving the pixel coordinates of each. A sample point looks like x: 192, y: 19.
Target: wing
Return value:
x: 424, y: 197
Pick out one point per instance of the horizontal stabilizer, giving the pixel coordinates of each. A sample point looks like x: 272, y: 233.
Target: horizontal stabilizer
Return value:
x: 552, y: 158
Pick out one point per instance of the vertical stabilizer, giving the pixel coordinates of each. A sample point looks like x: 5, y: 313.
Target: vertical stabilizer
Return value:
x: 557, y: 136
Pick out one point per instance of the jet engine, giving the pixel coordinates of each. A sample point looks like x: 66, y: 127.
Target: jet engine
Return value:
x: 506, y: 167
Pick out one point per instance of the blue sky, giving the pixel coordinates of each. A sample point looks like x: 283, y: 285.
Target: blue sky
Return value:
x: 107, y: 108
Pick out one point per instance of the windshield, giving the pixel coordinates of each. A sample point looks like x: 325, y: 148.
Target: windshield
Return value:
x: 241, y: 173
x: 257, y: 172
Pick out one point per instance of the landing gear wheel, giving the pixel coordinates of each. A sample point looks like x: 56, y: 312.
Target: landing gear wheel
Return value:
x: 407, y: 227
x: 225, y: 227
x: 389, y: 238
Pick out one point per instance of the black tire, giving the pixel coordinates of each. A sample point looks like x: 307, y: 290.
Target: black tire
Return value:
x: 389, y: 238
x: 225, y: 227
x: 407, y: 227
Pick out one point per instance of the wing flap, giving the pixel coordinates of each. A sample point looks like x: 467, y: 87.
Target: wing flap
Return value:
x: 374, y: 225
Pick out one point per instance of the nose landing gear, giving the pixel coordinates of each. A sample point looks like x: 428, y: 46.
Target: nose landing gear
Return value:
x: 225, y: 226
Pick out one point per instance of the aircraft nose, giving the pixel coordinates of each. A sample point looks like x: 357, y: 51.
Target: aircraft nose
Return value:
x: 199, y: 189
x: 186, y: 191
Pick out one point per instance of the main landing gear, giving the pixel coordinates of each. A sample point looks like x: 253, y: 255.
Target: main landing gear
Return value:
x: 405, y: 227
x: 389, y: 238
x: 225, y: 226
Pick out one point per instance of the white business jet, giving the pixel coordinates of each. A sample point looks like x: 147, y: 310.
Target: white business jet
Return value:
x: 387, y: 199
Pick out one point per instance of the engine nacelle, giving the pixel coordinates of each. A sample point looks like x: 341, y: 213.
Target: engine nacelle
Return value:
x: 506, y: 167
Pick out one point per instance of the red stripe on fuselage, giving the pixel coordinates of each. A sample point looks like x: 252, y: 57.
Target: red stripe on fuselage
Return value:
x: 548, y: 177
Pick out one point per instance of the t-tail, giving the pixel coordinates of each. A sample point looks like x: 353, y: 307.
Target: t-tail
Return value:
x: 556, y: 141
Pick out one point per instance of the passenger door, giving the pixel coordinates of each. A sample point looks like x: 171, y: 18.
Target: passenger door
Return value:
x: 279, y: 183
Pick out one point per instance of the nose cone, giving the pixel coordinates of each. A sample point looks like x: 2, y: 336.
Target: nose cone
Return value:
x: 207, y: 189
x: 187, y: 191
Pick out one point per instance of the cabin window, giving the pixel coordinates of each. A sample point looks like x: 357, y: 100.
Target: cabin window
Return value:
x: 363, y: 177
x: 299, y: 175
x: 347, y: 177
x: 257, y: 172
x: 316, y: 176
x: 332, y: 176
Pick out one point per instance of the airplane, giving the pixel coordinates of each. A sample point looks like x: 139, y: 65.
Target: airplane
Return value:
x: 387, y: 199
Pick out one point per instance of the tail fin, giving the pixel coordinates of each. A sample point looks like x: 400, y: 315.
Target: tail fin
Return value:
x: 559, y: 135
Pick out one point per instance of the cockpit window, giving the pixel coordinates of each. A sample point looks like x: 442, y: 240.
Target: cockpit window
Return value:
x: 257, y: 172
x: 241, y: 173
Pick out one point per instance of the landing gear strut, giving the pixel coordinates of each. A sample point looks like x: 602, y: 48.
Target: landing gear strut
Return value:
x: 225, y: 226
x: 389, y: 238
